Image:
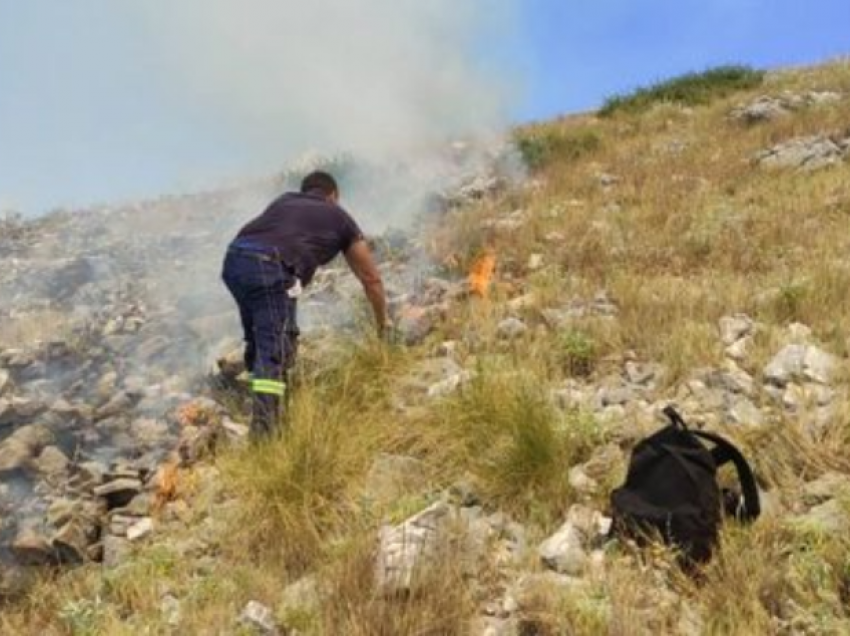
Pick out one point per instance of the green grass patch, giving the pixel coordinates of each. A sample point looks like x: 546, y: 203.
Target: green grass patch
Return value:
x: 691, y: 89
x: 578, y: 352
x: 540, y: 147
x: 517, y: 445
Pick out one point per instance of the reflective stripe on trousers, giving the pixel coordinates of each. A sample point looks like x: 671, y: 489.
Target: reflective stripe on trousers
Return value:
x: 270, y: 387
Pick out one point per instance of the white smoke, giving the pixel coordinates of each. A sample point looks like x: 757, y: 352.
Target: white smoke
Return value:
x: 387, y: 80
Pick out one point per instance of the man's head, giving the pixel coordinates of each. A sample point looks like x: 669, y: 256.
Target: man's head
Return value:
x: 322, y: 183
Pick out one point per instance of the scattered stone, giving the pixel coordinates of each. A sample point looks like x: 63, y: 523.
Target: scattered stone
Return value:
x: 607, y: 180
x: 446, y: 387
x: 511, y: 328
x: 797, y: 397
x: 615, y: 395
x: 30, y: 547
x: 119, y: 492
x: 798, y: 361
x: 149, y: 432
x: 171, y: 609
x: 785, y: 365
x: 257, y: 616
x: 404, y: 550
x: 818, y: 365
x: 642, y: 374
x: 762, y: 109
x: 71, y: 543
x: 768, y: 108
x: 733, y: 328
x: 237, y: 434
x: 116, y: 550
x: 564, y: 551
x: 520, y: 303
x: 52, y: 461
x: 604, y: 463
x: 90, y: 473
x: 140, y: 529
x: 799, y: 333
x: 300, y: 598
x: 19, y: 449
x: 119, y: 404
x: 581, y: 482
x: 507, y: 223
x: 806, y: 153
x: 744, y: 412
x: 740, y: 349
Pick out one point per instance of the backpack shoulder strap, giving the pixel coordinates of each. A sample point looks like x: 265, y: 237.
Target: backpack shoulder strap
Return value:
x: 724, y: 451
x: 675, y: 419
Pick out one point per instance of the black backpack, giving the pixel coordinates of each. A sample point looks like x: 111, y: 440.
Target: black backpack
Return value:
x: 671, y: 490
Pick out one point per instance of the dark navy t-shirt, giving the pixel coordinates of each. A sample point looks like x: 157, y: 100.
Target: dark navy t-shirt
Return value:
x: 305, y: 230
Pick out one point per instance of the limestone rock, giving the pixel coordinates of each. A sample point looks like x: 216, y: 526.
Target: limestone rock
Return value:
x: 449, y: 385
x: 511, y: 328
x: 733, y: 328
x: 120, y: 491
x: 19, y: 449
x: 71, y: 542
x: 807, y: 153
x: 564, y: 551
x: 785, y: 365
x: 116, y: 550
x: 260, y: 618
x: 404, y: 550
x: 31, y: 547
x: 140, y: 529
x: 818, y: 365
x: 52, y: 461
x: 4, y: 380
x: 301, y: 597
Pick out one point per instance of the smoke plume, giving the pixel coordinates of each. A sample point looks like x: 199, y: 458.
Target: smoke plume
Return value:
x: 386, y: 80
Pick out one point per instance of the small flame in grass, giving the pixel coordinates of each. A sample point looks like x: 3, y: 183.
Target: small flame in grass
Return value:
x: 481, y: 273
x: 194, y: 414
x: 166, y: 484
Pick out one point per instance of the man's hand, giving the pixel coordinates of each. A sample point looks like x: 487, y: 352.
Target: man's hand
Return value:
x: 359, y: 259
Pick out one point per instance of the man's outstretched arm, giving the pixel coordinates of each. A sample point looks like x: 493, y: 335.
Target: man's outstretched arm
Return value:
x: 359, y: 258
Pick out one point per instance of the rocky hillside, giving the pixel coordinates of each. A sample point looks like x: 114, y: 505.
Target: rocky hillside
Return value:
x: 455, y: 482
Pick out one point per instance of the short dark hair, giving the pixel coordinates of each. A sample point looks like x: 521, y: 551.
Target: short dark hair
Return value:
x: 321, y: 181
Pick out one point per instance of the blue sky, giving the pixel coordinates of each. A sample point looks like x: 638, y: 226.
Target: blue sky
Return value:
x: 581, y: 52
x: 89, y: 110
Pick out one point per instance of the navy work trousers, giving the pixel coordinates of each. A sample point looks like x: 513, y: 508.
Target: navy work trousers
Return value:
x: 259, y: 283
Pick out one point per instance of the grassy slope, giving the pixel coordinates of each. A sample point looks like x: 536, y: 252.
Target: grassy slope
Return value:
x: 692, y: 231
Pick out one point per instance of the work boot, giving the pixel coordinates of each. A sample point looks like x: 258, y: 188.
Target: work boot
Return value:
x: 267, y: 412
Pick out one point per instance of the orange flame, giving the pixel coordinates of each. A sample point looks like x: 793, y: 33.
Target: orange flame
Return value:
x: 194, y: 414
x: 166, y: 485
x: 481, y: 273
